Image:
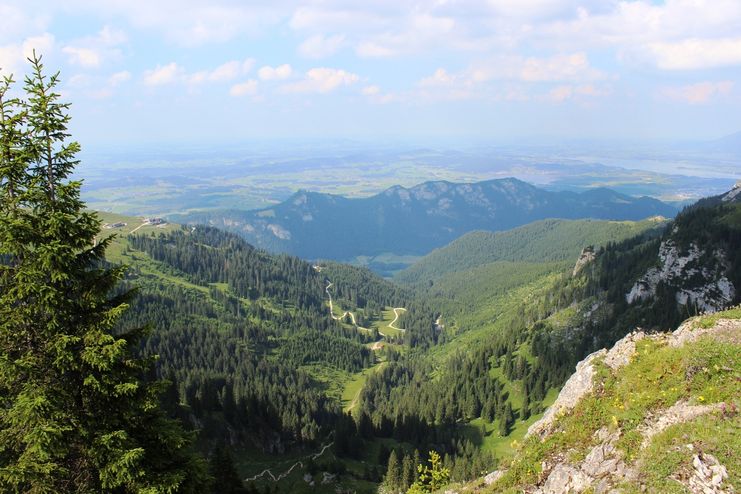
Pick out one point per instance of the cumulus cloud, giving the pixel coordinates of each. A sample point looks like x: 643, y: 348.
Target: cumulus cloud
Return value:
x: 268, y: 73
x: 701, y: 92
x: 574, y: 67
x: 87, y: 57
x: 691, y: 54
x: 13, y: 56
x: 321, y: 80
x: 223, y: 73
x: 174, y: 73
x: 247, y: 88
x: 164, y: 74
x: 91, y: 52
x: 119, y: 78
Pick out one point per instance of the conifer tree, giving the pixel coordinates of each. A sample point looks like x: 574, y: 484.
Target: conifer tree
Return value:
x: 408, y: 472
x: 75, y: 413
x: 431, y: 478
x: 392, y: 481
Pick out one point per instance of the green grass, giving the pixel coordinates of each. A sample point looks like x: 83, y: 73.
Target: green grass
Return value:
x: 354, y: 385
x: 383, y: 325
x: 658, y: 376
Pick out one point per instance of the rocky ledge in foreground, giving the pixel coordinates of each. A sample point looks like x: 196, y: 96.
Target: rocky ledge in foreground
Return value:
x: 655, y: 413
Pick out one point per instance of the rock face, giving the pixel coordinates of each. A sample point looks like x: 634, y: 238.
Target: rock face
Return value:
x: 676, y: 414
x: 581, y: 381
x: 734, y: 194
x: 565, y: 478
x: 587, y: 255
x: 711, y: 293
x: 578, y: 386
x: 708, y: 476
x: 604, y: 468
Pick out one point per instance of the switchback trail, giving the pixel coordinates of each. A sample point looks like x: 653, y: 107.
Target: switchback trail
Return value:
x: 285, y: 474
x: 331, y: 310
x: 396, y: 318
x: 352, y: 316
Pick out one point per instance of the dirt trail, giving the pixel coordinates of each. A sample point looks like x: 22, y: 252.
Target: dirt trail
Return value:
x: 135, y: 229
x: 346, y: 313
x: 396, y: 318
x: 285, y: 474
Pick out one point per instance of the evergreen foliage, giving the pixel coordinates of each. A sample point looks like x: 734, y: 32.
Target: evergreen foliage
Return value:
x: 75, y: 412
x: 431, y: 478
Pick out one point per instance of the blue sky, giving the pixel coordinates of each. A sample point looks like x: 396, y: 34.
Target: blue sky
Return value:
x: 229, y: 71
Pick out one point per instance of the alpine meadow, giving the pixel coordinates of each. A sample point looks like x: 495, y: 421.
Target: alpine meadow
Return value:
x: 324, y: 247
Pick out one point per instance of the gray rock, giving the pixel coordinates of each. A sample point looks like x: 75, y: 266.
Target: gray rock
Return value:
x: 565, y: 479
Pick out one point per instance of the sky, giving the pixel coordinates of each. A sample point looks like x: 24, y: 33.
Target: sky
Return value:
x: 186, y: 71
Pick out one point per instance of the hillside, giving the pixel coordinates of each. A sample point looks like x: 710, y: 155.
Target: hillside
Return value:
x: 655, y: 413
x: 418, y: 219
x: 549, y: 240
x: 515, y: 330
x: 255, y: 358
x: 464, y: 367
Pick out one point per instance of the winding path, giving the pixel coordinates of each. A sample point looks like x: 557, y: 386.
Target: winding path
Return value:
x: 347, y: 312
x: 396, y: 318
x: 285, y: 474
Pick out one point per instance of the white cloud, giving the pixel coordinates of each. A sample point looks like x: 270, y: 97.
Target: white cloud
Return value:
x: 375, y: 95
x: 18, y: 21
x: 119, y: 78
x: 86, y: 57
x: 322, y: 80
x: 247, y: 88
x: 13, y: 56
x: 267, y: 73
x: 320, y: 46
x: 223, y: 73
x: 43, y: 43
x: 174, y: 73
x: 701, y: 92
x: 440, y: 77
x: 691, y: 54
x: 92, y: 51
x: 572, y: 67
x: 163, y: 74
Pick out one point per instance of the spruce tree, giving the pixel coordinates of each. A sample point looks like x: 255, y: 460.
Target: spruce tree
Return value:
x: 75, y: 412
x: 392, y: 481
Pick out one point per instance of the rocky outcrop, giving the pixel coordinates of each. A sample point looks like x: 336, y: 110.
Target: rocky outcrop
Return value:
x: 581, y: 382
x: 708, y: 476
x: 578, y: 386
x: 680, y: 412
x: 599, y: 470
x: 604, y: 467
x: 682, y: 270
x: 734, y: 194
x: 587, y: 255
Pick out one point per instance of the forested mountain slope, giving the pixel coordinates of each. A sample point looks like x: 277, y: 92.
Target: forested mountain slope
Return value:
x: 419, y: 219
x: 531, y: 323
x: 548, y: 240
x: 255, y: 358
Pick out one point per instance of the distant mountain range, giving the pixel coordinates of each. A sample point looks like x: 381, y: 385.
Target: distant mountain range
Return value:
x: 413, y: 221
